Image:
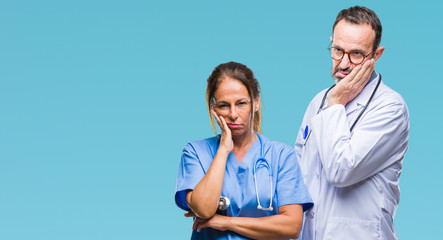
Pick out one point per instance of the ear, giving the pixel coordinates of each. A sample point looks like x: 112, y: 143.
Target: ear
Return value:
x: 257, y: 103
x: 378, y: 53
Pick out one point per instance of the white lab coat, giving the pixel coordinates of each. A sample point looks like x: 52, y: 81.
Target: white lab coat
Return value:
x: 353, y: 177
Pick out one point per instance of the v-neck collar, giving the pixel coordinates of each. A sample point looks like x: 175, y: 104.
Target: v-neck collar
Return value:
x: 247, y: 160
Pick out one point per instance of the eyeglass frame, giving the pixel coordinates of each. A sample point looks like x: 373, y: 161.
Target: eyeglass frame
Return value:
x: 349, y: 56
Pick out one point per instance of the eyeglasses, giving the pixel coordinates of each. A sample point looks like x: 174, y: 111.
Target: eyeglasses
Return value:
x: 224, y: 107
x: 354, y: 57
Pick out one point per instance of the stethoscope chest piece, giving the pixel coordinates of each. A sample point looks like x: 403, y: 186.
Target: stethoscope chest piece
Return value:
x: 223, y: 203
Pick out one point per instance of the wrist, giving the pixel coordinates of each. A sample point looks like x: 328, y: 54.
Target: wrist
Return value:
x: 229, y: 223
x: 224, y: 150
x: 334, y: 101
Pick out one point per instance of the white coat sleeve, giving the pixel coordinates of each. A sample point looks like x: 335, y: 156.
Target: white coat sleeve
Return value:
x: 379, y: 140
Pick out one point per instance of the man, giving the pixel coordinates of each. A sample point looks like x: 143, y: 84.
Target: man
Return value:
x: 353, y: 139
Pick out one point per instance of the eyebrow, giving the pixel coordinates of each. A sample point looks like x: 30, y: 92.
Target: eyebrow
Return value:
x: 219, y: 102
x: 238, y: 100
x: 352, y: 50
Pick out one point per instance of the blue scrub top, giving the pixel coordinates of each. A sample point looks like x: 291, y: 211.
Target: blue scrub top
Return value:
x: 238, y: 185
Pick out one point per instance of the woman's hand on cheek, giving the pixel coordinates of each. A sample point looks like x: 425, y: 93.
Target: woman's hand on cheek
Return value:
x: 226, y: 142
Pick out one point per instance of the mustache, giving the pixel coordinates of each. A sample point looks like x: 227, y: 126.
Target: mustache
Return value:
x: 339, y: 69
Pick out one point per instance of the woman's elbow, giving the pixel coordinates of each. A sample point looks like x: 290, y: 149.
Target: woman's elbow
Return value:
x: 295, y: 232
x: 205, y: 214
x: 290, y: 234
x: 294, y: 220
x: 201, y: 208
x: 295, y: 235
x: 292, y: 231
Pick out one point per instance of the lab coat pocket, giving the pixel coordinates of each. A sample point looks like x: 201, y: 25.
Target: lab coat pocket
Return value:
x: 351, y: 228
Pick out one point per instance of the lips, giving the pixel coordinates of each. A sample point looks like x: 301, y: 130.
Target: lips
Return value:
x: 342, y: 74
x: 233, y: 125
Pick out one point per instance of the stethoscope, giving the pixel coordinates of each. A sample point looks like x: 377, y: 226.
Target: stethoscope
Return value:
x: 307, y: 131
x: 224, y: 202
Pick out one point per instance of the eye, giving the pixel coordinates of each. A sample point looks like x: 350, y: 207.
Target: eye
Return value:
x: 356, y: 54
x: 242, y: 103
x: 222, y: 106
x: 336, y: 50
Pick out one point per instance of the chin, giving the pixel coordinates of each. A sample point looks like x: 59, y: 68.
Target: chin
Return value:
x: 238, y: 132
x: 336, y: 79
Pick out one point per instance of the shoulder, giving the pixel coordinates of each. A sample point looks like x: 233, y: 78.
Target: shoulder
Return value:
x: 390, y: 95
x: 390, y: 100
x: 281, y: 155
x: 315, y: 103
x: 276, y: 146
x: 202, y: 146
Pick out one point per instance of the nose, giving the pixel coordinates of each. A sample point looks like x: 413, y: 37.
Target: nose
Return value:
x: 345, y: 63
x: 233, y: 114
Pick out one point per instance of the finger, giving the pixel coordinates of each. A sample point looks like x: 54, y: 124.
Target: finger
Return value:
x: 359, y: 78
x: 215, y: 115
x: 366, y: 73
x: 201, y: 226
x: 195, y: 224
x: 351, y: 76
x: 225, y: 125
x: 189, y: 214
x: 223, y: 122
x: 370, y: 69
x: 217, y: 118
x: 366, y: 67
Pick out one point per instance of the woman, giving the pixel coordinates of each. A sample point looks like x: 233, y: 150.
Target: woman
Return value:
x: 268, y: 205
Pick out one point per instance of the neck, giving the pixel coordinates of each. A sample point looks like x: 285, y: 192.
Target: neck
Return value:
x: 245, y: 140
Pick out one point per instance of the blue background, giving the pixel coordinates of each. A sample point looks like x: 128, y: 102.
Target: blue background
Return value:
x: 98, y: 98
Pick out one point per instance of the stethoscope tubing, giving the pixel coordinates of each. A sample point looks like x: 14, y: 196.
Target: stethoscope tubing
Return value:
x: 224, y: 201
x: 361, y: 112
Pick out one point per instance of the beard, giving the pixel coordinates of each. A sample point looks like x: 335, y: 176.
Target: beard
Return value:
x: 339, y: 69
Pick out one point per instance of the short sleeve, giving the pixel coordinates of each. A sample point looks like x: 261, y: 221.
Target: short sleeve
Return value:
x: 189, y: 175
x: 290, y: 185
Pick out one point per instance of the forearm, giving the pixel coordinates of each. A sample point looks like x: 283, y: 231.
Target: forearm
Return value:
x: 203, y: 200
x: 282, y: 226
x: 272, y: 227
